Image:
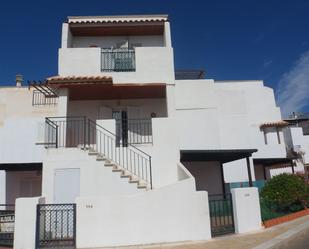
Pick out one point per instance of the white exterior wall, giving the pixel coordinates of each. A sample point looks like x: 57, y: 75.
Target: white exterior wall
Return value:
x: 153, y: 65
x: 66, y: 37
x: 25, y: 222
x: 95, y: 178
x: 299, y: 142
x: 112, y: 41
x: 220, y: 115
x: 246, y: 209
x: 172, y: 213
x: 20, y: 124
x: 164, y: 155
x: 102, y: 109
x: 236, y: 171
x: 2, y: 187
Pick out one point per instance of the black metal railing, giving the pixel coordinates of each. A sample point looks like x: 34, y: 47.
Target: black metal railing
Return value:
x: 7, y: 221
x: 120, y: 152
x: 38, y: 98
x: 56, y: 226
x: 134, y: 131
x: 51, y: 134
x: 118, y: 60
x: 83, y: 132
x: 221, y: 214
x: 65, y: 132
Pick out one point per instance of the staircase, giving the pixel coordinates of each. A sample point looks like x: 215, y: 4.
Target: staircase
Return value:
x: 121, y: 157
x: 141, y: 184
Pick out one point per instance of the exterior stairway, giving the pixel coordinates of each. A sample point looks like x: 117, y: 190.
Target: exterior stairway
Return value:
x: 133, y: 179
x: 120, y: 156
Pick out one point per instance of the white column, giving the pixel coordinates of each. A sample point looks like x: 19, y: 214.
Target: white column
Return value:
x: 170, y: 100
x: 246, y: 208
x: 25, y: 222
x: 2, y: 187
x: 63, y: 102
x: 167, y: 35
x: 66, y: 37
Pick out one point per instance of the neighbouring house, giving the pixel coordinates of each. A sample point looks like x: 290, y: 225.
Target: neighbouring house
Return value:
x: 297, y: 138
x: 120, y: 148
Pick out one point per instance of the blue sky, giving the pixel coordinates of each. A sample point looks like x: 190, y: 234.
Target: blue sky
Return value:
x: 248, y: 39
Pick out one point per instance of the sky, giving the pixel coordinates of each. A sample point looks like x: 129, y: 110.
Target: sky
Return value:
x: 231, y: 40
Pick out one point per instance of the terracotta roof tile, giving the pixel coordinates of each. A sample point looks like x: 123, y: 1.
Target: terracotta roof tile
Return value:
x: 279, y: 123
x: 79, y: 79
x: 116, y: 19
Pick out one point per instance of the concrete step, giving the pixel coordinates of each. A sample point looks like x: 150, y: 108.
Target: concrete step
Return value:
x: 93, y: 153
x: 125, y: 174
x: 142, y: 186
x: 101, y: 158
x: 117, y: 169
x: 133, y: 180
x: 109, y: 164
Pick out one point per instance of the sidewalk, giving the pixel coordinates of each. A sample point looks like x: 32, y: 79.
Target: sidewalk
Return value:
x: 266, y: 238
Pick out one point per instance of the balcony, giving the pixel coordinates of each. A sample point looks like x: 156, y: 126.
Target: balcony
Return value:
x: 117, y: 60
x: 138, y: 65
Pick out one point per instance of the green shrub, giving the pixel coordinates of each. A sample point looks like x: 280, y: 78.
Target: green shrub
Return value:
x: 286, y: 192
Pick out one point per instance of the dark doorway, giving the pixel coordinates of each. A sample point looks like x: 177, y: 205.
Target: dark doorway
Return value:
x: 121, y: 118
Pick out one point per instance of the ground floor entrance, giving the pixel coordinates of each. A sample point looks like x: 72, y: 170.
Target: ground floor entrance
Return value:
x: 17, y: 180
x: 207, y: 168
x: 221, y: 214
x: 20, y: 180
x: 56, y: 226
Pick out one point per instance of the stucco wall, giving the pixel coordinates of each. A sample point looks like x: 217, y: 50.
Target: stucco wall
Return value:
x: 20, y: 125
x: 102, y: 109
x: 236, y: 171
x: 246, y: 209
x: 95, y: 178
x: 153, y: 64
x: 2, y: 187
x: 172, y: 213
x: 113, y: 41
x: 226, y: 115
x: 300, y: 141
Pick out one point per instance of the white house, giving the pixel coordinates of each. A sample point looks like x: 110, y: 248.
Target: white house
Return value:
x: 137, y: 148
x: 297, y: 138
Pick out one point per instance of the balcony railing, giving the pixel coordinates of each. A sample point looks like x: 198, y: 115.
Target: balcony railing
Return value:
x: 117, y: 60
x: 134, y: 131
x: 83, y: 132
x: 38, y: 98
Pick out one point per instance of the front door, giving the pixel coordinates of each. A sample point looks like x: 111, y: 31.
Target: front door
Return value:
x: 121, y: 118
x: 66, y: 185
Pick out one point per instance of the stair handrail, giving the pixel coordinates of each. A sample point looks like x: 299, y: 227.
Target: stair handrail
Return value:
x: 86, y: 132
x: 113, y: 134
x: 128, y: 146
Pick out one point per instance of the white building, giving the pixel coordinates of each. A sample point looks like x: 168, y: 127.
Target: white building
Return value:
x: 297, y: 139
x: 136, y: 148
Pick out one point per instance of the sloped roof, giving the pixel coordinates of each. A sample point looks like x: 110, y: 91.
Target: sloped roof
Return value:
x: 279, y: 123
x: 79, y: 79
x: 117, y: 19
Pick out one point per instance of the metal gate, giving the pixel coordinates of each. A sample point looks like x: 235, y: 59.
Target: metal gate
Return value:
x: 7, y: 220
x: 221, y: 214
x: 56, y: 226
